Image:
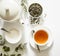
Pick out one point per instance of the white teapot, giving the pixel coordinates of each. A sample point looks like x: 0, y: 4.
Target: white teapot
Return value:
x: 9, y: 10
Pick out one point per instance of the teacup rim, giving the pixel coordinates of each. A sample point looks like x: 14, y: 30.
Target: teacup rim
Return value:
x: 49, y: 35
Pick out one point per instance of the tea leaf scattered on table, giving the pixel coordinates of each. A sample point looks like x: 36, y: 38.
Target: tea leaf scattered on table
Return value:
x: 24, y: 7
x: 6, y: 55
x: 0, y: 37
x: 22, y: 23
x: 38, y: 48
x: 20, y: 47
x: 0, y: 54
x: 23, y: 2
x: 6, y: 49
x: 33, y: 31
x: 12, y: 55
x: 16, y: 49
x: 18, y: 54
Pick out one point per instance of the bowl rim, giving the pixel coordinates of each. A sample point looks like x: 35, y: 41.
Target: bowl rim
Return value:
x: 20, y: 37
x: 41, y: 7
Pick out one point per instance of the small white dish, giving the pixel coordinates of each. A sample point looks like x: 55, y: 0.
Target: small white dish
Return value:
x: 17, y: 35
x: 32, y: 43
x: 14, y: 36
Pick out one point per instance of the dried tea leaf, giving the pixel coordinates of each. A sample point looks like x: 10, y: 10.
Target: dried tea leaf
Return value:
x: 20, y: 47
x: 6, y: 55
x: 38, y: 48
x: 12, y: 55
x: 18, y: 54
x: 23, y: 2
x: 6, y: 49
x: 0, y: 37
x: 0, y: 54
x: 16, y: 49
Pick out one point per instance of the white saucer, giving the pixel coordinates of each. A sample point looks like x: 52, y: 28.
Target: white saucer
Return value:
x: 41, y: 48
x: 31, y: 41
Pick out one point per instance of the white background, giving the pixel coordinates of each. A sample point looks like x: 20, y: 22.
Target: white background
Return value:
x: 54, y: 15
x: 52, y: 21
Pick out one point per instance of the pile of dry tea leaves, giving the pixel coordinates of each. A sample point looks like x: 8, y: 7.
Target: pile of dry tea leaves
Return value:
x: 35, y: 10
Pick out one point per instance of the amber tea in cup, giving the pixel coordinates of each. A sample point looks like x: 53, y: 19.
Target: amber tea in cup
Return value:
x: 41, y: 37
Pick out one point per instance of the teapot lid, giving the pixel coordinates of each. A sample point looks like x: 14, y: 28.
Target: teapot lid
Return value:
x: 9, y: 9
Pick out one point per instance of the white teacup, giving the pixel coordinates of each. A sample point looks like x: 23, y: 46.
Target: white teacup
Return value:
x: 41, y: 36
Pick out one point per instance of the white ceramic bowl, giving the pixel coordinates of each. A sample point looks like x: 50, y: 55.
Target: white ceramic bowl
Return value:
x: 41, y: 10
x: 10, y: 27
x: 15, y: 39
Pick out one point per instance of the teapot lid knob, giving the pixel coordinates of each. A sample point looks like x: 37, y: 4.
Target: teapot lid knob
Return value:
x: 7, y: 12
